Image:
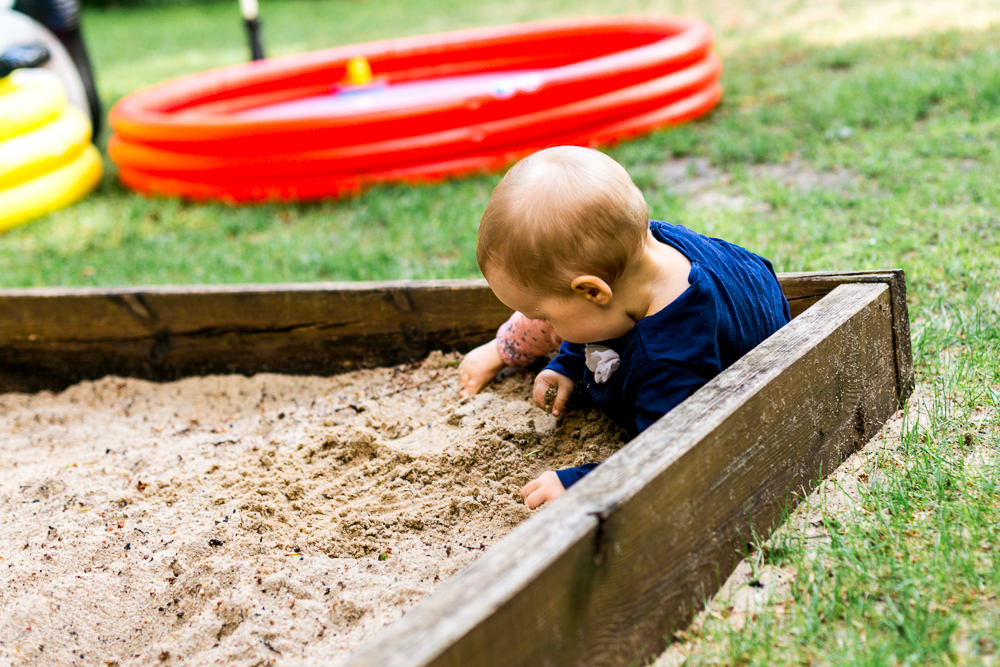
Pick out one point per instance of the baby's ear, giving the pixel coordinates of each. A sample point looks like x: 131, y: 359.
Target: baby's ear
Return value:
x: 592, y: 288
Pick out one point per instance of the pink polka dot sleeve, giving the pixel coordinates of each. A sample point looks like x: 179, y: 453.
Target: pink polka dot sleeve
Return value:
x: 521, y: 340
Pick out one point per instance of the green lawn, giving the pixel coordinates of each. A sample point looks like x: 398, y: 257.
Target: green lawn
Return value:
x: 867, y: 154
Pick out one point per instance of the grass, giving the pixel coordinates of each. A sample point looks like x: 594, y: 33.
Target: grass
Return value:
x: 909, y: 128
x: 910, y: 111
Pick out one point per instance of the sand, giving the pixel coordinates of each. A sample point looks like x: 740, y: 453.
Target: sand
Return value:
x: 256, y: 521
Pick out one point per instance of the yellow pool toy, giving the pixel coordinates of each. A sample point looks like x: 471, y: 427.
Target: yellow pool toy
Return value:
x: 46, y: 158
x: 28, y: 98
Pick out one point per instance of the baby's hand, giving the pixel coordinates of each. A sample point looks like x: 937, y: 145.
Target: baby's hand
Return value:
x: 542, y: 489
x: 548, y: 380
x: 478, y: 367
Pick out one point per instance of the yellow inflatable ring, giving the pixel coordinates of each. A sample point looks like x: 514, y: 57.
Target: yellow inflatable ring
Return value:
x: 51, y: 191
x: 30, y: 154
x: 28, y: 98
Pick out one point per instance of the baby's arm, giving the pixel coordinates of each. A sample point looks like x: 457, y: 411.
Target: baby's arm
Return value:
x: 662, y: 387
x: 519, y: 342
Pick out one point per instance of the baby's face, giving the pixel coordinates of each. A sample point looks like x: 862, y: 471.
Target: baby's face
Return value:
x: 574, y: 317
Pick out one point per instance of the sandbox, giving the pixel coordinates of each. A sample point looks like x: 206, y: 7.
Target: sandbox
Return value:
x: 293, y: 489
x: 236, y: 520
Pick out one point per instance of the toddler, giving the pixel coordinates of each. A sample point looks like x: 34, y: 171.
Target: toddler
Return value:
x: 648, y: 311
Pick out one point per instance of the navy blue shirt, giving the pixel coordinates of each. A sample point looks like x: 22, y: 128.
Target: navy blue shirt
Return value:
x: 733, y: 303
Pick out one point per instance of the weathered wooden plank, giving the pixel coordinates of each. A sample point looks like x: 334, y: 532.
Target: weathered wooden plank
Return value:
x: 84, y: 314
x: 804, y: 289
x: 98, y: 314
x: 53, y: 337
x: 606, y: 572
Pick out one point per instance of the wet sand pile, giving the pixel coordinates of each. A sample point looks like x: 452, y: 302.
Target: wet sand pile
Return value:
x: 264, y: 520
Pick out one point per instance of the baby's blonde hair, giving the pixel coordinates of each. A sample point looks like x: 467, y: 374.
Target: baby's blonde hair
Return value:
x: 560, y: 213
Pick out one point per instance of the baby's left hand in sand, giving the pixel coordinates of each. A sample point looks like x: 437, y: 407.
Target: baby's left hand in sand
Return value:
x: 478, y: 367
x: 547, y: 382
x: 542, y: 489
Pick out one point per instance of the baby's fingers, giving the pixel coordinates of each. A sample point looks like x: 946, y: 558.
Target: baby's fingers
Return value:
x: 546, y: 385
x: 530, y: 487
x: 544, y: 488
x: 464, y: 381
x: 535, y: 498
x: 539, y: 391
x: 562, y: 398
x: 469, y: 383
x: 550, y: 382
x: 478, y: 367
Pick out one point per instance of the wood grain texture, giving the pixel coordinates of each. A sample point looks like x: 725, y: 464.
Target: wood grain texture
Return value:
x: 52, y: 337
x: 804, y: 289
x: 625, y: 557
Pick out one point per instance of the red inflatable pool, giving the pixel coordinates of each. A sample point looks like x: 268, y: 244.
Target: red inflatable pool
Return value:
x: 287, y: 129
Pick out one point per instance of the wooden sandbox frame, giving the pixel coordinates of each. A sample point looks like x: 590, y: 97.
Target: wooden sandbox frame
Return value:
x: 630, y: 553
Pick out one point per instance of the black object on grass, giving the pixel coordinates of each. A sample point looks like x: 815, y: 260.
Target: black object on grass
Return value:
x: 62, y: 18
x: 249, y: 10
